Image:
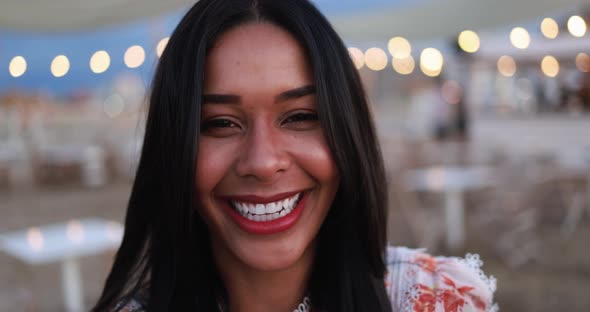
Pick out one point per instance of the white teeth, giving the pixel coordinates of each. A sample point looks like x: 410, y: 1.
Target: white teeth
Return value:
x: 266, y: 212
x: 271, y: 208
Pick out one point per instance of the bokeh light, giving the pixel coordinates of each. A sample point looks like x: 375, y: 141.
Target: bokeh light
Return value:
x: 75, y: 231
x: 399, y: 47
x: 134, y: 56
x: 358, y: 57
x: 375, y: 59
x: 520, y: 38
x: 506, y: 66
x: 35, y: 239
x: 17, y: 66
x: 576, y: 26
x: 550, y: 66
x: 60, y: 66
x: 468, y: 41
x: 161, y: 46
x: 431, y: 62
x: 100, y: 62
x: 113, y: 105
x: 549, y: 28
x: 403, y: 66
x: 583, y: 62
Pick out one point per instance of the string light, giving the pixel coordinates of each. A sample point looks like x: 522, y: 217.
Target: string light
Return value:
x: 358, y: 57
x: 550, y: 66
x: 549, y: 28
x: 161, y: 46
x: 60, y: 66
x: 134, y: 56
x: 506, y: 66
x: 576, y: 26
x: 403, y: 66
x: 17, y: 66
x: 100, y: 62
x: 520, y: 38
x: 431, y: 62
x: 399, y: 47
x: 375, y: 59
x: 468, y: 41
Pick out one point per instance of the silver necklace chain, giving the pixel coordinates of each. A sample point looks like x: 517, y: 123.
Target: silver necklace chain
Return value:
x: 304, y: 306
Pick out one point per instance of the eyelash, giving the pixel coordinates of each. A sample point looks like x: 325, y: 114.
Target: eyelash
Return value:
x: 224, y: 124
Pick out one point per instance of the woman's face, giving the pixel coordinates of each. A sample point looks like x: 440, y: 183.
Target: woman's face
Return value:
x: 265, y: 175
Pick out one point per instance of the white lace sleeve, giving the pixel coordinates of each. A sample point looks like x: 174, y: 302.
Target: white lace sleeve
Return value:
x: 417, y: 281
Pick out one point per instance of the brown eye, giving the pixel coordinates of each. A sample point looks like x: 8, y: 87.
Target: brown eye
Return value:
x: 301, y: 117
x: 220, y: 127
x: 301, y: 121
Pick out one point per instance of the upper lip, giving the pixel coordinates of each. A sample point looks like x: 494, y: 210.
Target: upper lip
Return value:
x: 257, y: 199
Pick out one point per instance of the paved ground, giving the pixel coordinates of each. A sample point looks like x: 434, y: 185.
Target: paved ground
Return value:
x: 558, y: 281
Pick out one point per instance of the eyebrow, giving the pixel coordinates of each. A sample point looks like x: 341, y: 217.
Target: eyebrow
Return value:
x: 282, y: 97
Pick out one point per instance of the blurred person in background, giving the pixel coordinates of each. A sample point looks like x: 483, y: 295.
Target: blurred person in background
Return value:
x: 261, y: 186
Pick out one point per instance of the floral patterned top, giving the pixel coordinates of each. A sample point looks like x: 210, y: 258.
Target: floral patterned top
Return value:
x: 418, y: 282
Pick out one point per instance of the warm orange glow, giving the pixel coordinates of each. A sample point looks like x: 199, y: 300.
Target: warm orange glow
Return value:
x: 549, y: 28
x: 431, y: 62
x: 506, y: 66
x: 399, y: 47
x: 375, y: 59
x: 583, y: 62
x: 403, y: 66
x: 550, y: 66
x: 468, y: 41
x: 358, y: 57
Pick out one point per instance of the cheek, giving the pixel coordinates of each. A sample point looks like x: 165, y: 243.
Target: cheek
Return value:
x: 213, y: 163
x: 314, y: 156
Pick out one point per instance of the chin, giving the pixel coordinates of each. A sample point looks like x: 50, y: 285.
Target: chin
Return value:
x: 274, y: 256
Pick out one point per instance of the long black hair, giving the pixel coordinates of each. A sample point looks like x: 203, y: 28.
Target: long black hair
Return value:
x: 166, y: 245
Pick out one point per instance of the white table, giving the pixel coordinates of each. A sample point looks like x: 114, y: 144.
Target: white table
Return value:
x: 453, y: 182
x: 65, y: 243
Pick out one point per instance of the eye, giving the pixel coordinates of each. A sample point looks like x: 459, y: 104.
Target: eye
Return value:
x: 301, y: 121
x: 220, y: 127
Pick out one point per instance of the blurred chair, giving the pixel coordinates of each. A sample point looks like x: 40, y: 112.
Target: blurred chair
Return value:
x: 508, y: 215
x: 67, y: 149
x: 421, y: 216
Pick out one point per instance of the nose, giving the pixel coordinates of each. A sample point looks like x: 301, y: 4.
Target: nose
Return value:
x: 263, y: 156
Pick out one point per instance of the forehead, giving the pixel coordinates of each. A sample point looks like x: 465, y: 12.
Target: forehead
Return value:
x: 254, y: 56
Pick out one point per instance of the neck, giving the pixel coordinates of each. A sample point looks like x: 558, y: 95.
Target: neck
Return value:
x: 250, y: 289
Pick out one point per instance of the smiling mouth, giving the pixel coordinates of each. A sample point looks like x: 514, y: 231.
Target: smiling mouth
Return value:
x: 268, y: 211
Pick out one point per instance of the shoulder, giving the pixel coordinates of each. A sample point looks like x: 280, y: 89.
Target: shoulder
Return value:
x: 417, y: 281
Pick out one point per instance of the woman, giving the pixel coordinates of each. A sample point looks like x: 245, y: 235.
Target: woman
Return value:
x: 260, y: 185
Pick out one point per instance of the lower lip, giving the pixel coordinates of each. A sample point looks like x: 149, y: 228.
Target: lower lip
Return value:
x: 267, y: 227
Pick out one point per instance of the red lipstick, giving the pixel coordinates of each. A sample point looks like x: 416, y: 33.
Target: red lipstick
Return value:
x: 265, y: 227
